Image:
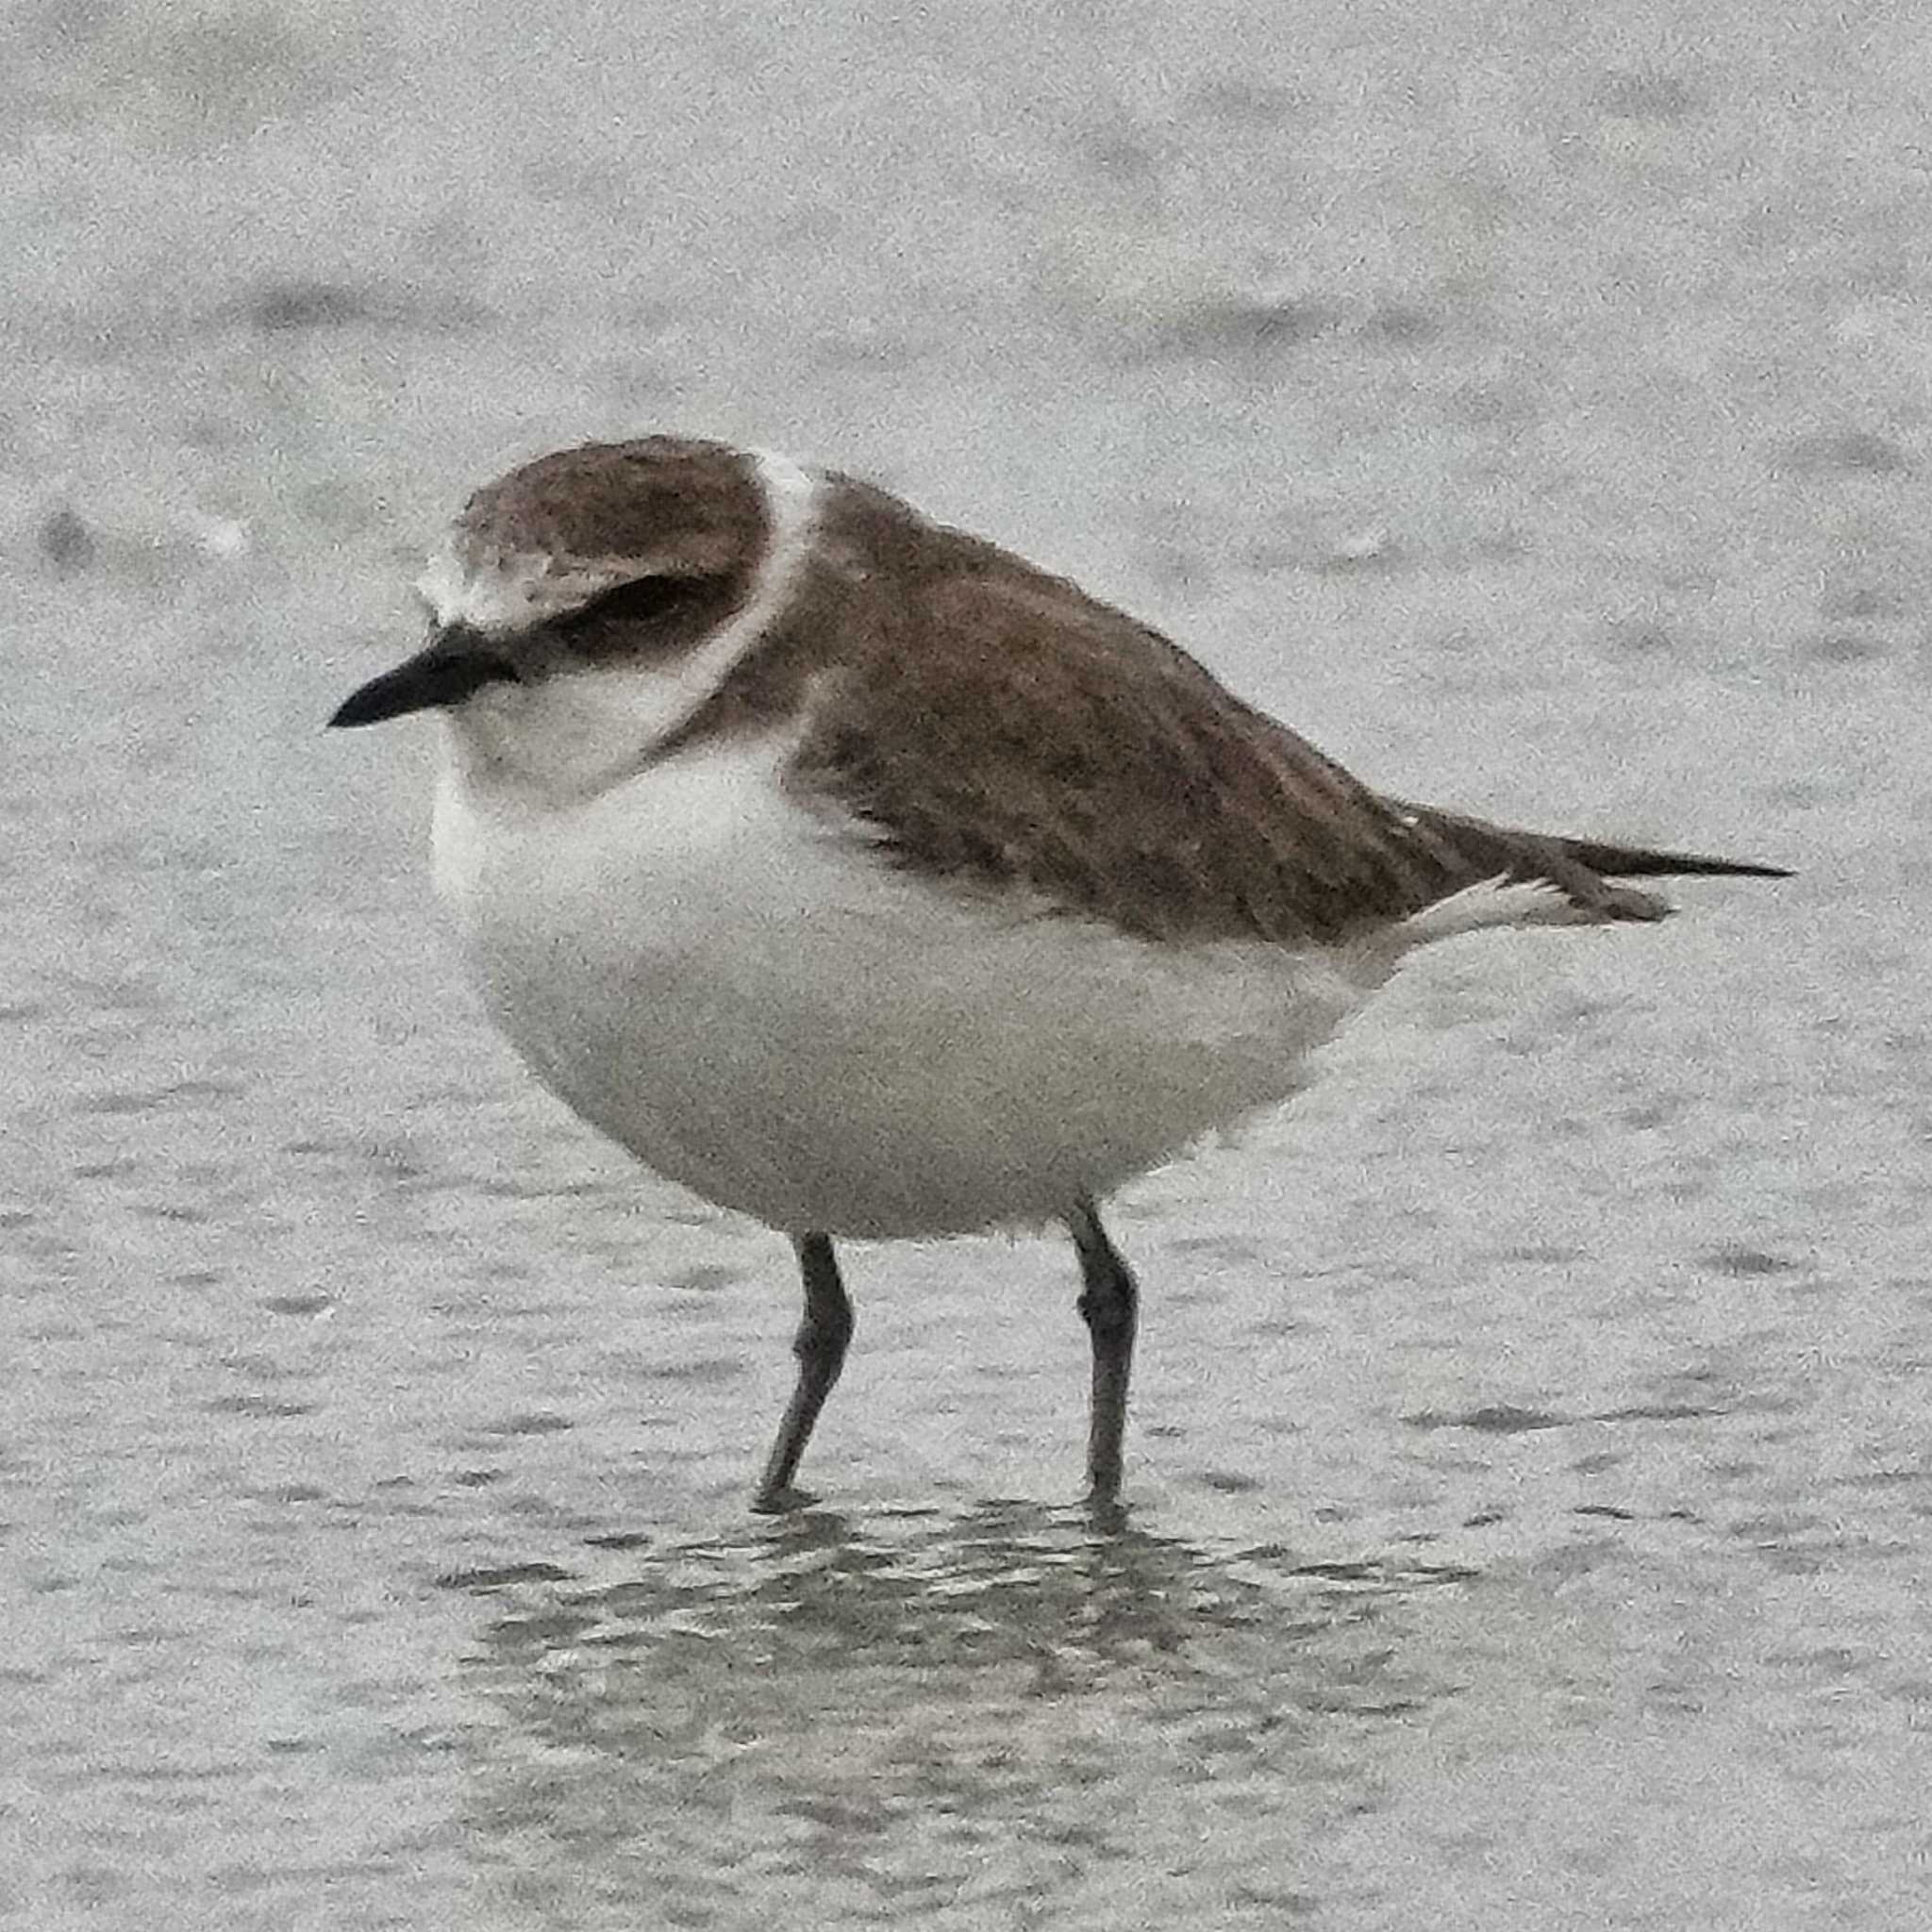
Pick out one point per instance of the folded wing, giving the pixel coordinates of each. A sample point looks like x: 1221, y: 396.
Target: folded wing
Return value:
x: 1005, y: 732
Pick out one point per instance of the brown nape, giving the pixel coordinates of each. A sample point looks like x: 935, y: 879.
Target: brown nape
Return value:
x: 996, y: 726
x: 701, y: 501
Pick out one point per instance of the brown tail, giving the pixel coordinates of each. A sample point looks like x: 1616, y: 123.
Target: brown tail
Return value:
x: 1466, y: 850
x: 1637, y: 861
x: 1483, y: 841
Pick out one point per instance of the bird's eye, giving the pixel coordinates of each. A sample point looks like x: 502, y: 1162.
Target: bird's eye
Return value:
x: 637, y: 602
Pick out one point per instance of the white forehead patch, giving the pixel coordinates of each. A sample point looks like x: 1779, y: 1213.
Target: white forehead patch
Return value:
x: 499, y: 593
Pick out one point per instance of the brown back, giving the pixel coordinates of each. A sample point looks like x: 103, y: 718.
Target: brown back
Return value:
x: 997, y: 726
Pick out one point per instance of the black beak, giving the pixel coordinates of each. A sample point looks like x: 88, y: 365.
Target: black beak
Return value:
x: 444, y: 673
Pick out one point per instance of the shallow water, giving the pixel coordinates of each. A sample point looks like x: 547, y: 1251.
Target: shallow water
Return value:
x: 1528, y: 1487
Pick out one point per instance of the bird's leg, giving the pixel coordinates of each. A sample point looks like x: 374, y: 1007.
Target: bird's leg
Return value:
x: 1109, y: 1304
x: 820, y: 1346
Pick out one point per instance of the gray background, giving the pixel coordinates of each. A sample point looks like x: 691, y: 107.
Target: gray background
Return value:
x: 1530, y: 1457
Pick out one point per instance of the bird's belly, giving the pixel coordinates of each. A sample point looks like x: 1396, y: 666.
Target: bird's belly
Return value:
x: 762, y: 1008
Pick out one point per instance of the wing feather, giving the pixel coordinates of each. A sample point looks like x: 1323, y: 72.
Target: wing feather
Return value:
x: 997, y: 729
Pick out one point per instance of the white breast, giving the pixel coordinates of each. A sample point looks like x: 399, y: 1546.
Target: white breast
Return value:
x: 760, y: 1007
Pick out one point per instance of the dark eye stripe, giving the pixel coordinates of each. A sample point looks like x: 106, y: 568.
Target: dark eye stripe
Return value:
x: 639, y: 601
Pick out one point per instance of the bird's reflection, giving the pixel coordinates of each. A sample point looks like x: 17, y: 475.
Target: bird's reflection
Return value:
x: 1015, y: 1583
x: 837, y: 1714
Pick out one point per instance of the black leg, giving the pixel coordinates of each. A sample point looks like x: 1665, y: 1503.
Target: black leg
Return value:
x: 1109, y: 1304
x: 820, y: 1346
